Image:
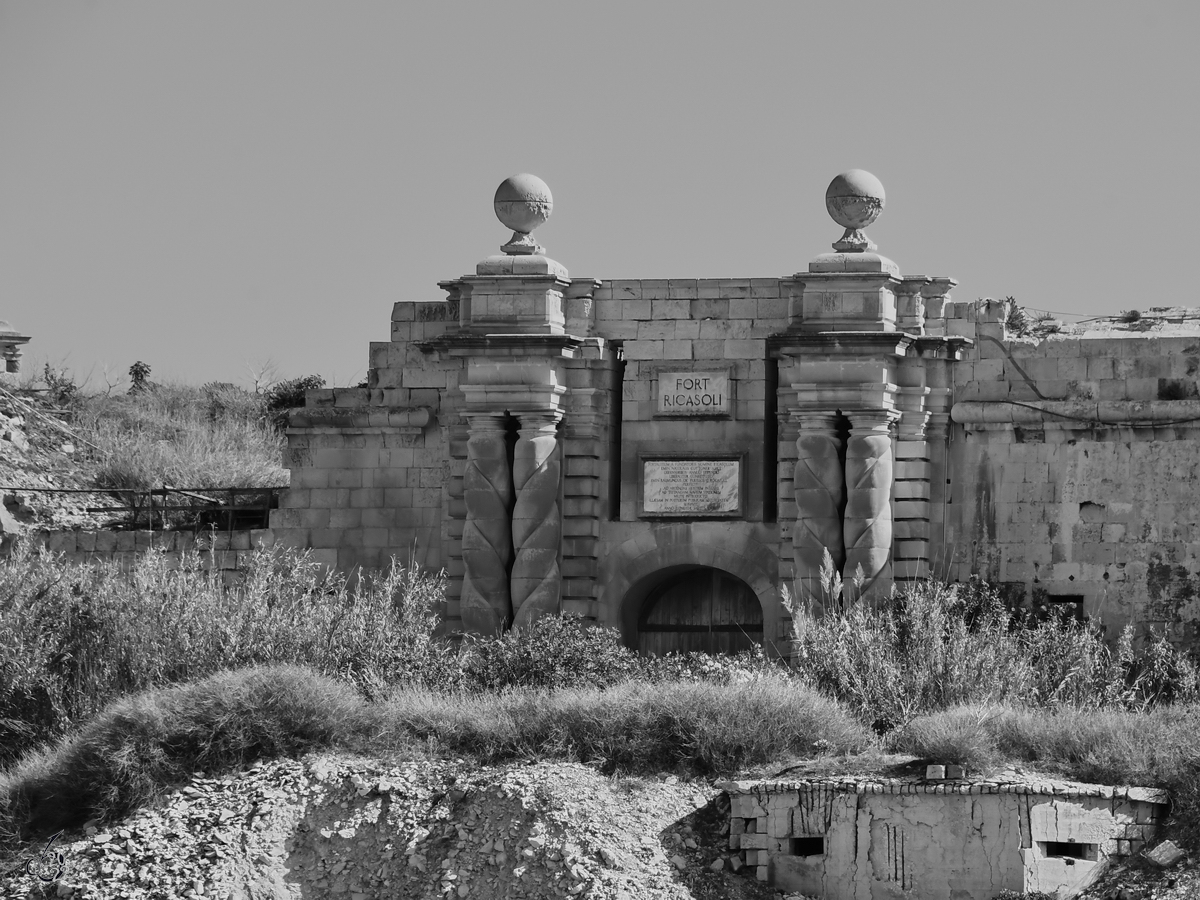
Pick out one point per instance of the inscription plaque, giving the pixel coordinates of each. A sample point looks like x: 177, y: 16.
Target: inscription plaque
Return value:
x: 693, y: 393
x: 691, y: 486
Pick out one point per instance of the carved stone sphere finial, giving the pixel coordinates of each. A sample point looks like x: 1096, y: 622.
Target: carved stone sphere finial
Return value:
x: 523, y: 202
x: 854, y: 200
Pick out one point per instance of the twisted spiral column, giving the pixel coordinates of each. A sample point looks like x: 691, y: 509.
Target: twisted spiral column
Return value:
x: 485, y: 604
x: 819, y: 487
x: 537, y: 519
x: 867, y: 524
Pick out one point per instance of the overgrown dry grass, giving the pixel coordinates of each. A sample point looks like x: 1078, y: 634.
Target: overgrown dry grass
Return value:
x: 180, y: 436
x: 636, y: 726
x: 75, y: 637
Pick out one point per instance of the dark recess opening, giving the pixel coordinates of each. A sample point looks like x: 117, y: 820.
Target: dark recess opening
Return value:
x: 808, y: 846
x: 1068, y: 850
x: 616, y: 415
x: 1066, y: 606
x: 770, y: 472
x: 512, y: 431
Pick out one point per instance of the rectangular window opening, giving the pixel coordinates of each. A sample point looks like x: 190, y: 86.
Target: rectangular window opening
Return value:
x: 1068, y: 850
x: 808, y: 846
x: 1066, y: 606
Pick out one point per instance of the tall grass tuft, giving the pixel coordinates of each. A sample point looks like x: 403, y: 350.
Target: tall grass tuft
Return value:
x: 74, y: 637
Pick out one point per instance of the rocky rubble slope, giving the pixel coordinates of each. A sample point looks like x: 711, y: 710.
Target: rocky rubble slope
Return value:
x: 332, y: 826
x: 39, y: 452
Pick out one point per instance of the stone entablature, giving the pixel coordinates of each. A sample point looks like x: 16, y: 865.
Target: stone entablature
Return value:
x: 507, y: 431
x: 852, y: 837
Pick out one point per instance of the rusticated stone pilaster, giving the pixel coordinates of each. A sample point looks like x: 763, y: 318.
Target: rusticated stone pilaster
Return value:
x: 537, y: 519
x: 487, y: 549
x: 867, y: 524
x: 819, y: 487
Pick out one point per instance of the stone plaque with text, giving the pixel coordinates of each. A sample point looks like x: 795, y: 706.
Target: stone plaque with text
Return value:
x: 691, y: 486
x: 693, y: 393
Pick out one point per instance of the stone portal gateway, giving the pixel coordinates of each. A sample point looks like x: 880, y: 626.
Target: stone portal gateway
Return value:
x: 553, y: 440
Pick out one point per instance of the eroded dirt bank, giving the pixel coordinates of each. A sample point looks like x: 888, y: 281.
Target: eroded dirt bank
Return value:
x: 341, y: 827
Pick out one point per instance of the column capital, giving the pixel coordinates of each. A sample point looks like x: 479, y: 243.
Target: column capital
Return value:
x: 815, y: 420
x: 480, y: 421
x: 539, y: 420
x: 876, y: 420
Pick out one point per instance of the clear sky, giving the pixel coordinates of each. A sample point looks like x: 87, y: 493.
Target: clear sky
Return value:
x: 215, y: 186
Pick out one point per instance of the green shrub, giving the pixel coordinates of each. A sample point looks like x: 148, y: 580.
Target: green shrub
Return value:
x: 552, y: 652
x: 935, y: 646
x: 287, y: 395
x: 60, y: 385
x: 932, y: 647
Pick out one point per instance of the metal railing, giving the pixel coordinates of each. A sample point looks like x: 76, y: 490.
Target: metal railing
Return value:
x: 223, y: 508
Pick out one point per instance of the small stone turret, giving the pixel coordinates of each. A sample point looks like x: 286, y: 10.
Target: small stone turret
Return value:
x: 10, y: 347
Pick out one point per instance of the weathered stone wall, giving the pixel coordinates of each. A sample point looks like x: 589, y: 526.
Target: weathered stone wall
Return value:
x: 1074, y: 461
x: 850, y: 839
x: 370, y: 465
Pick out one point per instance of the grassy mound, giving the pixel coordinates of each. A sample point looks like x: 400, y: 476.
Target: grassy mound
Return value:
x: 140, y: 745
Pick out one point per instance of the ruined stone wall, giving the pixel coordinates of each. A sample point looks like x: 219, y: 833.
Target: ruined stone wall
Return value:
x: 1074, y: 460
x: 370, y: 465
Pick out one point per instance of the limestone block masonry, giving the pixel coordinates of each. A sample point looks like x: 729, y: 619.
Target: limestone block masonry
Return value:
x: 869, y: 839
x: 664, y: 456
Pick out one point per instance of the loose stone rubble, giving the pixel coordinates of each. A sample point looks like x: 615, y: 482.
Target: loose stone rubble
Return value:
x: 341, y: 827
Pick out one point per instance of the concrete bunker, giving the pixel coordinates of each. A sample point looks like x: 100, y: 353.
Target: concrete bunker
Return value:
x: 863, y: 838
x: 688, y: 608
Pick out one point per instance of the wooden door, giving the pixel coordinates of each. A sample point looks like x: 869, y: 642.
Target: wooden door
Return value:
x: 703, y: 610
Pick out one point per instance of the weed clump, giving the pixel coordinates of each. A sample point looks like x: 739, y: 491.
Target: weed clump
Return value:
x: 284, y: 396
x: 934, y: 646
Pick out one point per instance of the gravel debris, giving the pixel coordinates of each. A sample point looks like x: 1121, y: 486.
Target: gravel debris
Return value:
x: 336, y: 826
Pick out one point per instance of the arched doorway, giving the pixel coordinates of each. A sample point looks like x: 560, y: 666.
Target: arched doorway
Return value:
x: 699, y: 609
